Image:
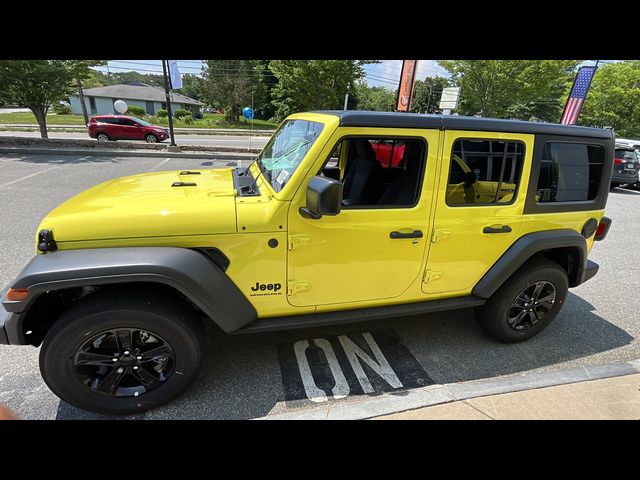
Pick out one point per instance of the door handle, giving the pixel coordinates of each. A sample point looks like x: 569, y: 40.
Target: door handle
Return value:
x: 500, y: 229
x: 414, y: 234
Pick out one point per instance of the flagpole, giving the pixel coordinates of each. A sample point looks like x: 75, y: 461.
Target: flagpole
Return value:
x: 168, y: 99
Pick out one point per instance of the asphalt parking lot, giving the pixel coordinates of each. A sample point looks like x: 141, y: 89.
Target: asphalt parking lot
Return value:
x: 260, y: 375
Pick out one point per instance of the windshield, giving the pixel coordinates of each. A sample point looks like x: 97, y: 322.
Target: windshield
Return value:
x: 141, y: 122
x: 286, y: 149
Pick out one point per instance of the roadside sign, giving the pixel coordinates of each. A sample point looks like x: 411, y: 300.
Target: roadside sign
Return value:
x: 449, y: 98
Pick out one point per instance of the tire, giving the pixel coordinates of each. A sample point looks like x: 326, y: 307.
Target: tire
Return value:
x: 151, y: 138
x: 494, y: 316
x: 166, y: 322
x: 102, y: 137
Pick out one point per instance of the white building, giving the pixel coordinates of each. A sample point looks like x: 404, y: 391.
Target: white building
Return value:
x: 99, y: 101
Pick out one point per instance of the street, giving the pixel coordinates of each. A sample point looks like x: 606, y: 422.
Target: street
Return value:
x: 209, y: 140
x: 252, y: 376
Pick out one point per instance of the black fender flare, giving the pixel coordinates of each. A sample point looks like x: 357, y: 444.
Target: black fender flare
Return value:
x: 526, y: 247
x: 188, y: 271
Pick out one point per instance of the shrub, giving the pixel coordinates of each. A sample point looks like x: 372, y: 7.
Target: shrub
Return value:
x: 181, y: 113
x: 135, y: 110
x: 162, y: 113
x: 187, y: 120
x: 62, y: 108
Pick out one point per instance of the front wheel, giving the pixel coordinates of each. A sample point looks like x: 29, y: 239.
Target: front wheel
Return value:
x: 114, y: 355
x: 526, y: 303
x: 151, y: 138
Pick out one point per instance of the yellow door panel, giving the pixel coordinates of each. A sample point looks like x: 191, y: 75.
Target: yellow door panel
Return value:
x: 477, y: 233
x: 351, y: 257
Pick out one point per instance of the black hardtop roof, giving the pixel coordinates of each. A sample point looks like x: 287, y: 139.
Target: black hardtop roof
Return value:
x: 356, y: 118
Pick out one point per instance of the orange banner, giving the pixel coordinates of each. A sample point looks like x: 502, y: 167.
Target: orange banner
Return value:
x: 405, y: 91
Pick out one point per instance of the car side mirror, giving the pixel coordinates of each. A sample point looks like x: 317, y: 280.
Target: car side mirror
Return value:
x: 324, y: 197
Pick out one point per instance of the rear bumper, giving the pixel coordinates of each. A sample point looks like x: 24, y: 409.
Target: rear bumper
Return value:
x: 624, y: 178
x: 590, y: 271
x: 4, y: 316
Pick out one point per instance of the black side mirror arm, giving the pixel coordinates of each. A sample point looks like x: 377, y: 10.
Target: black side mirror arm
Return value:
x: 306, y: 213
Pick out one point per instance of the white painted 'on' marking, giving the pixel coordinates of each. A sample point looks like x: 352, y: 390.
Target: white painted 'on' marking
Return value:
x: 315, y: 394
x: 381, y: 367
x: 354, y: 354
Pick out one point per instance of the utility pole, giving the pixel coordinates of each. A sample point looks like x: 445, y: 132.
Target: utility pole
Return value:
x: 81, y: 97
x: 168, y: 99
x: 346, y: 98
x: 429, y: 99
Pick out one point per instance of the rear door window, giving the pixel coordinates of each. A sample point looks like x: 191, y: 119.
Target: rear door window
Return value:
x: 484, y: 172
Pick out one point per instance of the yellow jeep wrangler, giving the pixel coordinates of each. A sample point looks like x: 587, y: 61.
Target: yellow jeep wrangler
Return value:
x: 344, y: 216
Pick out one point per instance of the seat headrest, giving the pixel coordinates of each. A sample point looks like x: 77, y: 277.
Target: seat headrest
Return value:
x: 364, y: 149
x: 412, y: 156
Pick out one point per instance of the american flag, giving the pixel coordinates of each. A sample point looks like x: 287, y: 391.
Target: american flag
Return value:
x: 578, y: 94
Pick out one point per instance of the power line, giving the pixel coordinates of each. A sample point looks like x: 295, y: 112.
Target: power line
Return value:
x: 150, y: 65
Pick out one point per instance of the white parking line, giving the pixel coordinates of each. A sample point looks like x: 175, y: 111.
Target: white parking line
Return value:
x: 160, y: 164
x: 28, y: 176
x: 76, y: 160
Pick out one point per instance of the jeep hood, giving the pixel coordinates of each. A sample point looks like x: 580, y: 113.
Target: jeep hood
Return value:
x: 148, y: 205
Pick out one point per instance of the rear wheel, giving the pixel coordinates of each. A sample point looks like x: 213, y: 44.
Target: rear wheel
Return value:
x: 526, y: 303
x: 151, y: 138
x: 115, y: 355
x: 102, y: 137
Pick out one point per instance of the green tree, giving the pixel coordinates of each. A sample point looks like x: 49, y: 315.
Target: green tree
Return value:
x: 37, y: 84
x: 81, y: 70
x: 153, y: 79
x: 228, y: 83
x: 427, y: 93
x: 614, y: 98
x: 192, y: 86
x: 264, y: 81
x: 511, y: 88
x: 378, y: 99
x: 313, y: 84
x: 95, y: 79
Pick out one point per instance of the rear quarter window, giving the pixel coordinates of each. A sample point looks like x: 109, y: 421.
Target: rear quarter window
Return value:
x: 569, y: 172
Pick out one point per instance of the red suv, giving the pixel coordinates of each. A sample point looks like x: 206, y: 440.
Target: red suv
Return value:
x: 121, y: 127
x: 388, y: 152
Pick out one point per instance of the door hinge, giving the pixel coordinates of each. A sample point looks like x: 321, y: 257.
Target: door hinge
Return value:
x: 439, y: 234
x: 299, y: 239
x: 294, y: 287
x: 431, y: 275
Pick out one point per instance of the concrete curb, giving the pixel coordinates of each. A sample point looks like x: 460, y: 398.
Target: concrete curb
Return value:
x: 451, y: 392
x: 127, y: 153
x: 184, y: 131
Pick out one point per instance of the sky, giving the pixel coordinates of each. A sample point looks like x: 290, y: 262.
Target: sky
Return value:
x: 383, y: 74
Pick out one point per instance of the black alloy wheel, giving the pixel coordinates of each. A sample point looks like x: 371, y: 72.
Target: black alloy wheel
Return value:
x: 124, y: 362
x: 531, y: 305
